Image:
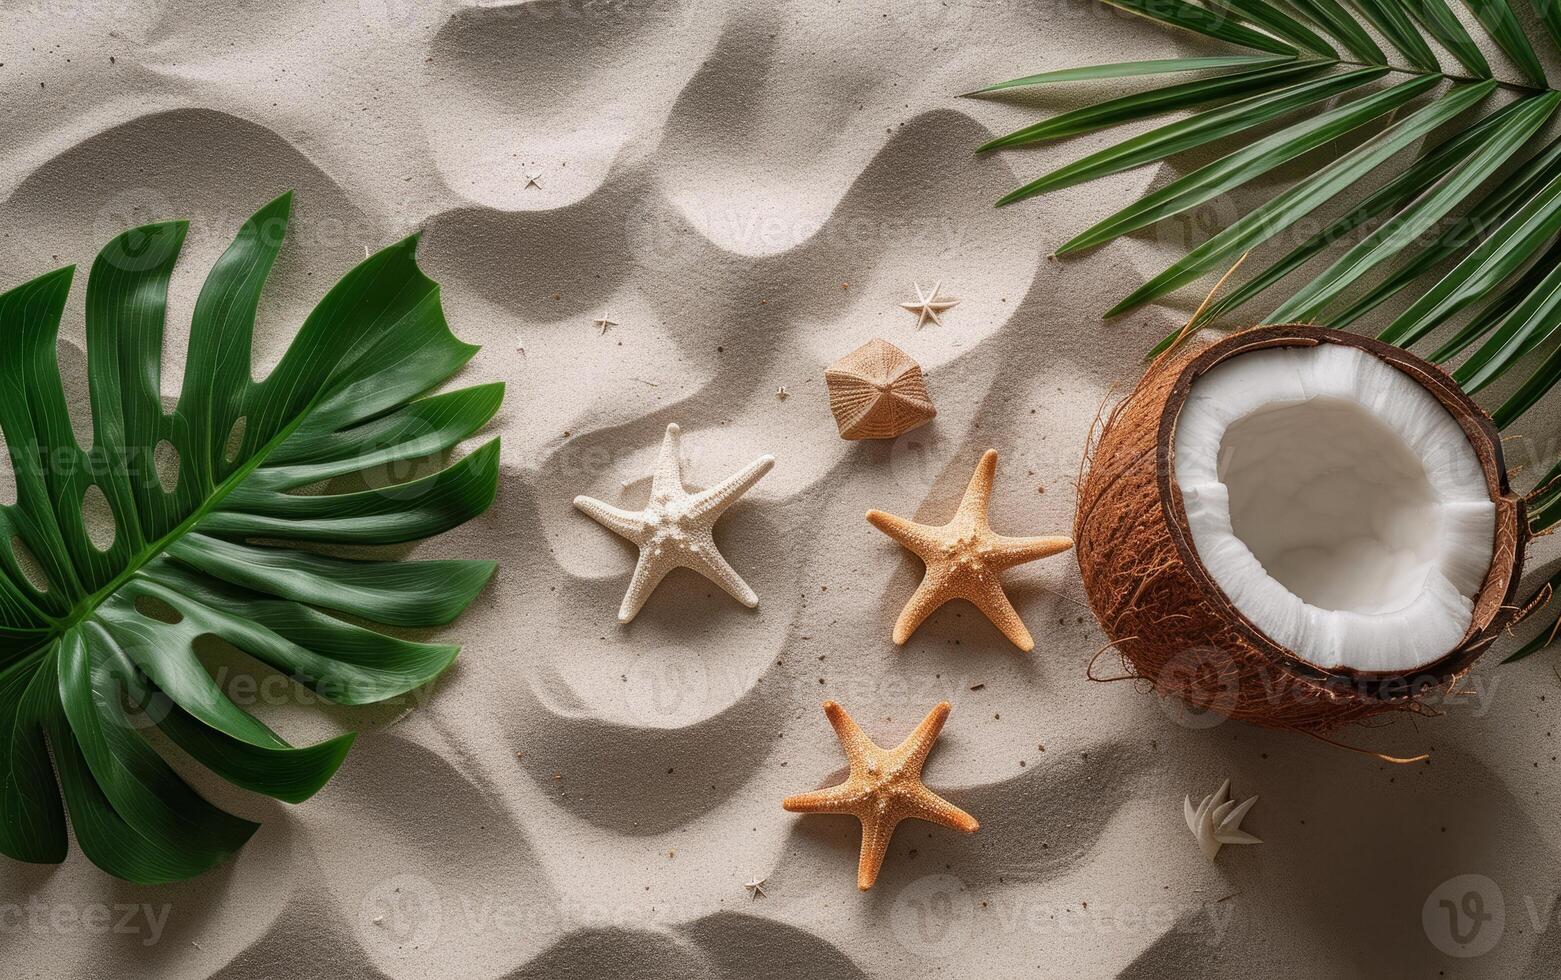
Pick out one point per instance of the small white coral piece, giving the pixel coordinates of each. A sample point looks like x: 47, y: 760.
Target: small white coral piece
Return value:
x: 1217, y: 821
x: 676, y: 528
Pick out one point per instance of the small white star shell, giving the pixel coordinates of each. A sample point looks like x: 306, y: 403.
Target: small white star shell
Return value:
x: 928, y: 305
x: 675, y: 528
x: 1217, y: 821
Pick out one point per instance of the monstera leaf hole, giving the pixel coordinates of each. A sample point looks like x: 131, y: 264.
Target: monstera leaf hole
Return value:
x: 31, y: 570
x: 235, y: 440
x: 98, y: 518
x: 7, y: 477
x: 182, y: 527
x: 156, y: 609
x: 165, y: 459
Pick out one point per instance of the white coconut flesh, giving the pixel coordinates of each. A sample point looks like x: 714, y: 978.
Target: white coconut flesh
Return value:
x: 1337, y: 504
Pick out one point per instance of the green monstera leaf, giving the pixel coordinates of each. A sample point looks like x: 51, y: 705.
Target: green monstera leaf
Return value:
x: 97, y: 639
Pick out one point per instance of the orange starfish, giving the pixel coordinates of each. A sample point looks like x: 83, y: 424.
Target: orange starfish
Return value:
x: 884, y: 788
x: 963, y: 559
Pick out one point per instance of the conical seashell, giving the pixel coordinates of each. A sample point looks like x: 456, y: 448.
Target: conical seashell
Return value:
x: 877, y: 392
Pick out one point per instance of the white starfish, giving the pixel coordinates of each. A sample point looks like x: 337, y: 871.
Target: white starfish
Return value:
x: 1217, y: 821
x: 928, y: 306
x: 533, y: 180
x: 602, y: 323
x: 675, y: 528
x: 756, y: 888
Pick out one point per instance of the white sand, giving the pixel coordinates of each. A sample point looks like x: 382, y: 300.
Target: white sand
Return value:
x: 749, y: 192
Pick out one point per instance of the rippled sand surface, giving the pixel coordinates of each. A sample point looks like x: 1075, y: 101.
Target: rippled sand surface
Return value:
x: 749, y: 190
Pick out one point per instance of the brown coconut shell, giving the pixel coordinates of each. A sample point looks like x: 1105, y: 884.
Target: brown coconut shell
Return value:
x: 1176, y: 628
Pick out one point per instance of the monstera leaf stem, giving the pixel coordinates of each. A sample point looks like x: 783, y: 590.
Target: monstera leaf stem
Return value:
x: 103, y: 647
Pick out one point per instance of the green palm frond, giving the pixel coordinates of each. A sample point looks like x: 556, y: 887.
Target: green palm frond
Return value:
x: 97, y: 640
x: 1468, y: 228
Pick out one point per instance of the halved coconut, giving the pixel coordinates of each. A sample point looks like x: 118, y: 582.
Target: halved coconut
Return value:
x: 1299, y: 527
